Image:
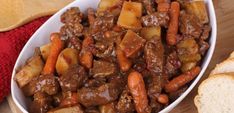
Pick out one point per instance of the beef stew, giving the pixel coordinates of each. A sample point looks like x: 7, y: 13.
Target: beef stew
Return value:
x: 129, y: 56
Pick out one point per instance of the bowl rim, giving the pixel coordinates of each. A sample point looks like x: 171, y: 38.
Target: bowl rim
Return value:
x: 212, y: 41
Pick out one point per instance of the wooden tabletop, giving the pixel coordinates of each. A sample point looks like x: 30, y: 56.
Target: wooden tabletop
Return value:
x: 225, y: 45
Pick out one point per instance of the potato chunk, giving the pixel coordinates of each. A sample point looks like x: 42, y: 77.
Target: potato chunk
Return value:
x: 198, y: 8
x: 45, y: 51
x: 130, y: 15
x: 131, y: 44
x: 66, y: 58
x: 148, y: 32
x: 106, y: 4
x: 31, y: 69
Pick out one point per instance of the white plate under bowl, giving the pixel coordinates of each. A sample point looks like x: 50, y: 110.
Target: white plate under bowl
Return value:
x: 41, y: 36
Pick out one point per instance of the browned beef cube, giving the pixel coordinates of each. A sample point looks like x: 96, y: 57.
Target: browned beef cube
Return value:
x: 41, y: 103
x: 154, y: 52
x: 190, y: 25
x: 156, y: 19
x: 74, y: 78
x: 43, y: 83
x: 102, y: 68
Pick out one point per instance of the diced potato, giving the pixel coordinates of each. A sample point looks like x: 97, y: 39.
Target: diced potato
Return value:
x: 190, y: 58
x: 188, y: 66
x: 69, y: 109
x: 198, y: 8
x: 45, y: 51
x: 130, y: 15
x: 106, y: 4
x: 131, y: 44
x: 65, y: 59
x: 31, y: 69
x: 148, y: 32
x: 188, y: 50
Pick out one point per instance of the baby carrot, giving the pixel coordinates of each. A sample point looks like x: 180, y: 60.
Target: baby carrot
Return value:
x: 56, y: 47
x: 136, y: 86
x: 173, y: 24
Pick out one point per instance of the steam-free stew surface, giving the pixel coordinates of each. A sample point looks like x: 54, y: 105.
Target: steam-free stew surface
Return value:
x: 126, y: 57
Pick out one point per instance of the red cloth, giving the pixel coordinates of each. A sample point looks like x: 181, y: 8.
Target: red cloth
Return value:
x: 11, y: 43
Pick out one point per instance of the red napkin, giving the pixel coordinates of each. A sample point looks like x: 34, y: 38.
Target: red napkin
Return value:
x: 11, y: 43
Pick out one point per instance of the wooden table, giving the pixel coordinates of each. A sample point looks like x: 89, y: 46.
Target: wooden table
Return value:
x: 225, y: 45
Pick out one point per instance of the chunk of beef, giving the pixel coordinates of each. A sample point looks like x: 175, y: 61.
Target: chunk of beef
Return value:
x: 125, y: 103
x: 41, y: 103
x: 206, y: 32
x: 104, y: 94
x: 104, y: 49
x: 104, y: 44
x: 204, y: 46
x: 69, y: 99
x: 70, y: 109
x: 57, y: 98
x: 132, y: 44
x: 74, y: 78
x: 102, y: 23
x: 190, y: 25
x: 72, y: 15
x: 71, y: 30
x: 156, y: 19
x: 102, y: 68
x: 43, y: 83
x: 95, y: 82
x: 172, y: 64
x: 75, y: 43
x: 154, y: 53
x: 91, y: 15
x: 139, y: 65
x: 92, y: 110
x: 154, y: 86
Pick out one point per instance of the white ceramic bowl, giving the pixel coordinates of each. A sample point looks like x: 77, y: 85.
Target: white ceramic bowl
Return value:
x: 41, y: 36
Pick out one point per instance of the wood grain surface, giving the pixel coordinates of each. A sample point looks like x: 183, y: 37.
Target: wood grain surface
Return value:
x: 225, y: 45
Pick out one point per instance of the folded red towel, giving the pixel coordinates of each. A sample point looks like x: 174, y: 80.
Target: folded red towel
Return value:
x: 11, y: 43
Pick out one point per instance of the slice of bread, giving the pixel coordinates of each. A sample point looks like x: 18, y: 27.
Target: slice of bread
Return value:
x: 216, y: 94
x: 231, y: 55
x: 226, y: 66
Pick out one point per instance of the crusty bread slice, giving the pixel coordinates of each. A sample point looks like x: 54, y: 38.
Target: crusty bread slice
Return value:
x: 226, y: 66
x: 231, y: 55
x: 216, y: 94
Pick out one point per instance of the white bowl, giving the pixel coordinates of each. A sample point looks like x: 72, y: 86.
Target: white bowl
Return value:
x: 41, y: 36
